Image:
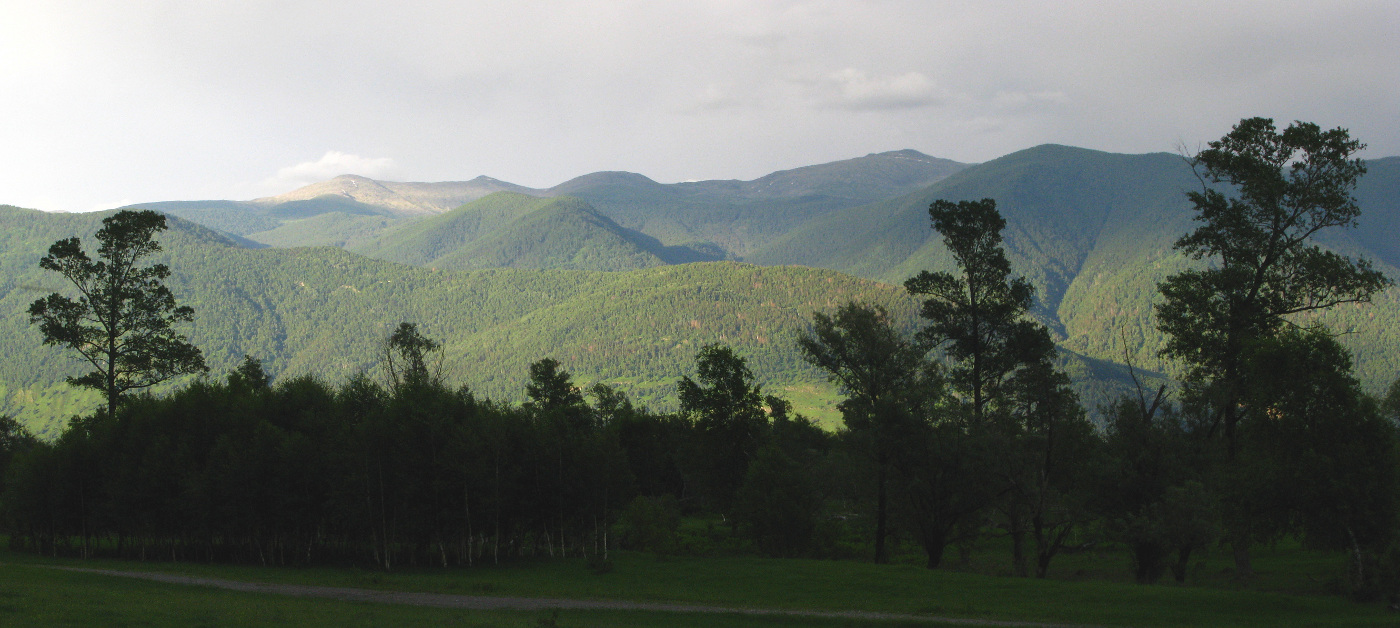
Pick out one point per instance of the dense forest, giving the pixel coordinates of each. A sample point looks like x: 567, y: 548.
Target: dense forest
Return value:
x: 959, y: 422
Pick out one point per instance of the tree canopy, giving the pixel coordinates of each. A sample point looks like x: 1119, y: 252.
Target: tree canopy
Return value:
x: 1262, y: 265
x: 979, y: 317
x: 122, y: 322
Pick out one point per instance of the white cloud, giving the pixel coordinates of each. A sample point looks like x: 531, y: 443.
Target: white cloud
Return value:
x: 332, y: 164
x: 853, y: 89
x: 158, y: 101
x: 1024, y: 100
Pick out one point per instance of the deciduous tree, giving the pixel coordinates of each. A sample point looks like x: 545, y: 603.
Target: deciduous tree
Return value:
x: 1264, y: 195
x: 879, y: 369
x: 727, y: 407
x: 1262, y: 265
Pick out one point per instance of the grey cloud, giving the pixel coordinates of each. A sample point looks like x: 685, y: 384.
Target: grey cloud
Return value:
x: 186, y: 100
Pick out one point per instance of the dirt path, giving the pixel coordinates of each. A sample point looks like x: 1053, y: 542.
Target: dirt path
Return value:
x: 479, y: 602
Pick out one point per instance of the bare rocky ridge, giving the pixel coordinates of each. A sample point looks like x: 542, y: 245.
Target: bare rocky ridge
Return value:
x: 402, y: 197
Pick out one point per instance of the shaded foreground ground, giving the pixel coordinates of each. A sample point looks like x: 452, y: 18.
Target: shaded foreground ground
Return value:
x: 478, y: 602
x: 717, y: 591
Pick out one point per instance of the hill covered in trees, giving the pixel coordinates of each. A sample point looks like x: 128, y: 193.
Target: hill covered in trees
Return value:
x: 325, y: 311
x: 681, y: 222
x: 1093, y: 231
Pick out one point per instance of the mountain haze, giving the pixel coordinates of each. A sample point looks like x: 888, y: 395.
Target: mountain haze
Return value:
x: 407, y: 198
x: 693, y: 221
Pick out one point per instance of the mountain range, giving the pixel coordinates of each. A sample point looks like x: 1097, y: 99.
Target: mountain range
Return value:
x: 601, y: 271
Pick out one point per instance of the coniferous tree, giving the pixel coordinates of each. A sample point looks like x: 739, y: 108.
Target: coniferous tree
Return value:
x: 122, y: 322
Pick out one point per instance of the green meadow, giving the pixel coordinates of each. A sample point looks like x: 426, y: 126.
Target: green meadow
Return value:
x: 1291, y: 588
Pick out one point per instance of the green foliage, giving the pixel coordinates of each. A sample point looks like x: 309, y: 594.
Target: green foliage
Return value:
x: 650, y: 524
x: 884, y: 375
x: 1330, y: 465
x: 1390, y: 405
x: 726, y: 406
x: 15, y: 440
x: 408, y: 357
x: 553, y: 389
x: 305, y: 472
x: 122, y: 321
x: 778, y: 504
x: 1051, y: 456
x: 232, y: 217
x: 1289, y: 186
x: 1152, y: 493
x: 510, y: 230
x: 325, y: 312
x: 1264, y: 272
x: 1093, y: 233
x: 977, y: 316
x: 338, y: 229
x: 733, y: 219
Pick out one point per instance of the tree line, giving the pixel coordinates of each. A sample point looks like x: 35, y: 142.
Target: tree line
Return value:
x: 958, y: 432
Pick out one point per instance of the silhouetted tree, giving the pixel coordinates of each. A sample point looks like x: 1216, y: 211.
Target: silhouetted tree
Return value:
x: 122, y: 322
x: 727, y: 408
x: 979, y: 316
x: 879, y: 369
x: 551, y: 388
x: 1285, y: 188
x: 412, y: 359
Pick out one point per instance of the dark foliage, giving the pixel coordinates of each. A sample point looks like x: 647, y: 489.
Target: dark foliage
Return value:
x: 122, y: 322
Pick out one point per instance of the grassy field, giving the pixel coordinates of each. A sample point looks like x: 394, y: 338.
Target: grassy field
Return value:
x: 32, y: 594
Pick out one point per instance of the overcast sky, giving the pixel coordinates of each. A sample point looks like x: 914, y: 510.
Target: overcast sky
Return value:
x: 104, y: 104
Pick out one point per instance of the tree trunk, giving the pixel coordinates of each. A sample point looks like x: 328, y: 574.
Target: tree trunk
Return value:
x: 1183, y: 559
x: 881, y: 501
x: 1244, y: 571
x: 1018, y: 545
x: 934, y: 543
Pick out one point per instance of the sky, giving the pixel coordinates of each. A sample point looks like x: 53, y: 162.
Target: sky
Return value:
x: 104, y: 104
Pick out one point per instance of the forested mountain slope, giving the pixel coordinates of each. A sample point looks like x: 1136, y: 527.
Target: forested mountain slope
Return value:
x: 739, y: 217
x: 324, y: 311
x: 1094, y: 232
x: 509, y: 230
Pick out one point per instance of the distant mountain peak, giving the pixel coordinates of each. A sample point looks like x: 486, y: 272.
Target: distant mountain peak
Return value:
x: 398, y: 197
x: 606, y: 177
x: 907, y: 153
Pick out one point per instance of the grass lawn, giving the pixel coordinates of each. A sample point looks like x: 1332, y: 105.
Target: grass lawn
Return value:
x: 33, y: 595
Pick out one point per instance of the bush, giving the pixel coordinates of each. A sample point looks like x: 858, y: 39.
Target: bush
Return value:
x: 650, y: 524
x: 778, y: 505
